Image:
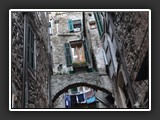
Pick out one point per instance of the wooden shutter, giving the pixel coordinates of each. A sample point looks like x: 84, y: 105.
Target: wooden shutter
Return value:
x: 30, y: 48
x: 99, y: 23
x: 86, y: 51
x: 68, y: 54
x: 70, y: 25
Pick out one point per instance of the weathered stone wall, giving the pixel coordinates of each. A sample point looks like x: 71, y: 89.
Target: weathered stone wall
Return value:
x: 17, y: 54
x: 97, y: 50
x: 37, y: 84
x: 61, y: 79
x: 38, y: 87
x: 132, y: 30
x: 62, y: 21
x: 141, y: 88
x: 96, y: 46
x: 59, y: 83
x: 59, y: 40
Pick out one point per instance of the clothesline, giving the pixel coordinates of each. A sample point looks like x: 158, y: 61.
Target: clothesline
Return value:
x: 84, y: 97
x: 78, y: 93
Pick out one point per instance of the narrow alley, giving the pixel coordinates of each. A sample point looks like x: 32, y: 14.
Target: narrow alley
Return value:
x: 80, y: 60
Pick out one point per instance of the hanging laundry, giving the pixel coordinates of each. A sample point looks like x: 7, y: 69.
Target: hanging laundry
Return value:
x: 80, y: 98
x: 73, y: 100
x: 67, y: 101
x: 91, y: 100
x: 89, y: 94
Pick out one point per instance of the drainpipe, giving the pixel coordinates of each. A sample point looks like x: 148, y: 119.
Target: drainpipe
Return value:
x: 25, y: 64
x: 50, y: 72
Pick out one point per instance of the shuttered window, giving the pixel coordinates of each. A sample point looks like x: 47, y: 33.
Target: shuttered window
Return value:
x: 31, y: 44
x: 99, y: 22
x: 68, y: 54
x: 70, y: 25
x: 86, y: 51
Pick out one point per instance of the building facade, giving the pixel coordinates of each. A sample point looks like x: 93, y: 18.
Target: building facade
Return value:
x: 31, y: 61
x: 78, y: 61
x: 125, y: 40
x: 59, y: 54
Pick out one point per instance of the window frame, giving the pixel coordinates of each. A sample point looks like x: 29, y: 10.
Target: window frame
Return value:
x: 71, y: 25
x: 86, y: 53
x: 31, y: 48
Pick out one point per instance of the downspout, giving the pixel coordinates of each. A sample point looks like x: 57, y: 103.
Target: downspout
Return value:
x: 25, y: 64
x: 50, y: 73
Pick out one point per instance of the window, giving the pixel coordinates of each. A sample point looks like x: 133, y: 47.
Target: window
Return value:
x: 92, y: 25
x: 31, y: 49
x: 86, y: 51
x: 76, y: 52
x: 50, y: 28
x: 74, y: 25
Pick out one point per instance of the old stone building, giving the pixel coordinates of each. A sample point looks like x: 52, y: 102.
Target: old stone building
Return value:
x: 59, y: 55
x: 125, y: 39
x: 77, y: 57
x: 31, y: 61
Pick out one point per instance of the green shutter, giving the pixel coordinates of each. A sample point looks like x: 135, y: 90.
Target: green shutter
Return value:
x: 86, y: 51
x: 29, y: 42
x: 99, y: 23
x: 68, y: 54
x: 30, y: 48
x: 70, y: 25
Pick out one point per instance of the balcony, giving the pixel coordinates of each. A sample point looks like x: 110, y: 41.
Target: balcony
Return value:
x: 80, y: 66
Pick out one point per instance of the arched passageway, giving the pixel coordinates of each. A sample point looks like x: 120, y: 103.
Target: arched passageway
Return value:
x: 81, y: 84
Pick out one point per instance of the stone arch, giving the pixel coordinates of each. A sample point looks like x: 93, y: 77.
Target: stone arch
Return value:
x: 77, y: 85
